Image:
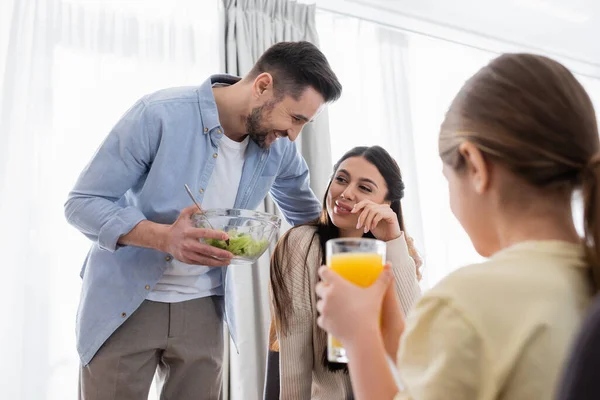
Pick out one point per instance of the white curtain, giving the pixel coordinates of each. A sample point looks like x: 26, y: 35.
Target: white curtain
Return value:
x: 68, y: 70
x: 252, y: 26
x: 437, y: 71
x: 27, y: 273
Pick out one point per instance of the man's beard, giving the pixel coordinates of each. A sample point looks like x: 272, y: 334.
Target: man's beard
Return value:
x: 254, y: 124
x: 254, y: 127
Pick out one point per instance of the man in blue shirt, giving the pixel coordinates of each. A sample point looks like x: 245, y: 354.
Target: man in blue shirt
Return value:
x: 151, y: 295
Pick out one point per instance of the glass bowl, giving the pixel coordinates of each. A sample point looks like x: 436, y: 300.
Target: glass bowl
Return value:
x: 250, y: 232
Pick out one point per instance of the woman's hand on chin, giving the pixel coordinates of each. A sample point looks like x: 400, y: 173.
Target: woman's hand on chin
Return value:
x: 379, y: 219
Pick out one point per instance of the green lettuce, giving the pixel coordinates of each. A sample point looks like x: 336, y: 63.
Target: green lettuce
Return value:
x: 240, y: 244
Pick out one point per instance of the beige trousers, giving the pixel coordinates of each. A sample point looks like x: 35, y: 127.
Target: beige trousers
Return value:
x: 183, y: 341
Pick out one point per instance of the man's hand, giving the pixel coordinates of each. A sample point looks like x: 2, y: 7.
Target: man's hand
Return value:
x: 182, y: 241
x: 412, y: 251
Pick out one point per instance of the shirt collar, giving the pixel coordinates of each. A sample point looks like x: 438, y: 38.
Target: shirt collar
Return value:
x: 572, y: 253
x: 208, y: 105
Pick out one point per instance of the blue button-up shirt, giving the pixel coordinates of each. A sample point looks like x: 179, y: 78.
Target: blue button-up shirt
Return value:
x: 165, y: 140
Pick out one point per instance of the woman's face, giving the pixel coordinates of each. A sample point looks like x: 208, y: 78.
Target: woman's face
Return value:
x: 355, y: 180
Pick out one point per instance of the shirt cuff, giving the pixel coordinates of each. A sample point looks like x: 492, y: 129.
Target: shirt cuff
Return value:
x: 120, y: 224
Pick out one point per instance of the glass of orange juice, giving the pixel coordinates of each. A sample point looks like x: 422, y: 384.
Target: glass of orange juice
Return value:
x: 359, y: 261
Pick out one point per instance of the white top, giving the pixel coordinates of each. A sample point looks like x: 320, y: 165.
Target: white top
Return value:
x: 181, y: 281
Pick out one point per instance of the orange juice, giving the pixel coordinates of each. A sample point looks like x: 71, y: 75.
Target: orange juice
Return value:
x: 362, y: 269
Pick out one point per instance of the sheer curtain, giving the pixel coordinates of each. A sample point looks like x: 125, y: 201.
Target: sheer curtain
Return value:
x: 438, y: 69
x: 70, y: 69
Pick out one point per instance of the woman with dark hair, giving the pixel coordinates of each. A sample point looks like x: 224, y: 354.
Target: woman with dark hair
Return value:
x: 362, y: 200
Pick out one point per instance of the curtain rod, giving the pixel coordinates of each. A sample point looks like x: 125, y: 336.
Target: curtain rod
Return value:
x: 388, y: 25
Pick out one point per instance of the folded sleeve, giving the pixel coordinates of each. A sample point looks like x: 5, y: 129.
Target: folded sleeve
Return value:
x: 118, y: 165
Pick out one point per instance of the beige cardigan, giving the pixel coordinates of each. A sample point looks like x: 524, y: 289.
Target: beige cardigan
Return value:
x: 302, y: 372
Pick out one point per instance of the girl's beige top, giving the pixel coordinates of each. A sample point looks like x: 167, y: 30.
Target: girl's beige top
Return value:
x: 497, y: 330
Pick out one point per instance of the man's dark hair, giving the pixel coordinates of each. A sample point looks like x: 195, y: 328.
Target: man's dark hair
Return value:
x: 295, y: 66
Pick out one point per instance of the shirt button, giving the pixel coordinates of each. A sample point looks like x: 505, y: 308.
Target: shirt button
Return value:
x: 168, y: 258
x: 215, y: 155
x: 205, y: 129
x: 147, y: 287
x: 219, y: 131
x: 201, y: 190
x: 123, y: 315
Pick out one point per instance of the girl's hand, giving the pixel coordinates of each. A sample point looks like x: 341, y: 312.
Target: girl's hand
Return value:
x: 348, y: 311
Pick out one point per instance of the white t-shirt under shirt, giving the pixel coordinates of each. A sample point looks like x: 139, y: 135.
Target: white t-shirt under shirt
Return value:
x: 181, y: 281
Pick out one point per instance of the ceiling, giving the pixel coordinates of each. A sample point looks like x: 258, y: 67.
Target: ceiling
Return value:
x: 570, y: 29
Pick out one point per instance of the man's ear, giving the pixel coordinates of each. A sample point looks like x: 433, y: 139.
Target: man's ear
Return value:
x: 263, y: 85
